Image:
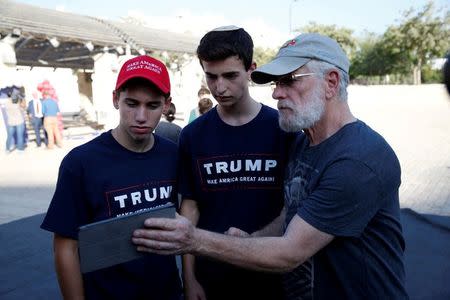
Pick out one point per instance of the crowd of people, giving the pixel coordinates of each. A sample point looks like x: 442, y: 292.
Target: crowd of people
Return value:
x: 39, y: 113
x: 299, y: 203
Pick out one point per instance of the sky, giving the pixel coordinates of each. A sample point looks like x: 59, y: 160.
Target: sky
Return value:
x: 267, y: 21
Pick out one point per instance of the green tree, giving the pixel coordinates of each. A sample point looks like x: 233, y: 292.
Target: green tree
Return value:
x: 418, y: 38
x: 344, y: 36
x: 367, y: 58
x: 372, y: 58
x: 263, y: 55
x: 430, y: 75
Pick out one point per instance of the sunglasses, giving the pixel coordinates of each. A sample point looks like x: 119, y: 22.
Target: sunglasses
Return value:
x: 288, y: 80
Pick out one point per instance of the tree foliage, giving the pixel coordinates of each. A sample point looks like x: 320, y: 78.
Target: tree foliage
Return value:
x: 263, y: 55
x: 404, y: 48
x: 344, y: 36
x: 418, y: 38
x: 368, y: 59
x: 373, y: 58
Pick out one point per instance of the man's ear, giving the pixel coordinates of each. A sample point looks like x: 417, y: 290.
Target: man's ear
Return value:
x: 115, y: 100
x: 332, y: 79
x: 250, y: 70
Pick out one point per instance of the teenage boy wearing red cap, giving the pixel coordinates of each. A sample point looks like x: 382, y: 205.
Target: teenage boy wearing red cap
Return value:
x: 122, y: 171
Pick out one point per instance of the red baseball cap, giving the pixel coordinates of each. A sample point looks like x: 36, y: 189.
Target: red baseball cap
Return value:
x: 145, y: 67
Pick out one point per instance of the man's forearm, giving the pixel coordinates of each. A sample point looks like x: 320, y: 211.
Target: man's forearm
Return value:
x: 70, y: 282
x: 189, y: 209
x: 188, y: 261
x: 68, y: 269
x: 269, y: 254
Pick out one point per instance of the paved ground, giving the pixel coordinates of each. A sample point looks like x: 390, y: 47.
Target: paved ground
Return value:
x: 27, y: 180
x: 415, y: 120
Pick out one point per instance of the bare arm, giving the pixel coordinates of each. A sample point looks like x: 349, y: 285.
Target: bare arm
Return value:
x: 271, y: 254
x: 193, y: 289
x: 68, y: 267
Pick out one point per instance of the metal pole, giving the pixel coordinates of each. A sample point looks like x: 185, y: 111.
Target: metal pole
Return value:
x: 290, y: 15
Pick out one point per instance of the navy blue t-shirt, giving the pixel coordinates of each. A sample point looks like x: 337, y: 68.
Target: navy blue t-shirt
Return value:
x: 235, y: 174
x: 347, y: 186
x: 101, y: 180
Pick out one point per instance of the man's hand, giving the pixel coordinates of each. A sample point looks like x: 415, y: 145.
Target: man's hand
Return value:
x: 166, y: 236
x: 237, y: 232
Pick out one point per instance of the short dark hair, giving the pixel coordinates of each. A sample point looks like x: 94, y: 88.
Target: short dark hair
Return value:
x: 204, y: 105
x: 203, y: 91
x: 138, y: 81
x: 170, y: 114
x: 219, y: 45
x: 446, y: 71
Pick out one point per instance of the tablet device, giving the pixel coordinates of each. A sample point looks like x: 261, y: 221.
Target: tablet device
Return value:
x: 107, y: 243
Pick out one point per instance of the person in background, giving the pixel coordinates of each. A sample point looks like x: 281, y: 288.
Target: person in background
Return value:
x: 3, y: 119
x: 50, y: 110
x: 202, y: 93
x: 15, y: 121
x: 122, y: 171
x: 204, y: 105
x: 168, y: 129
x: 36, y: 117
x: 446, y: 72
x: 342, y: 235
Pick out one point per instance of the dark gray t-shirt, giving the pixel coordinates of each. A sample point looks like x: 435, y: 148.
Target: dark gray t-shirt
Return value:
x: 169, y: 131
x: 347, y: 186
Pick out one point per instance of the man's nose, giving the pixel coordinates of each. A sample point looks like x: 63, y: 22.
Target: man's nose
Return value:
x: 278, y: 93
x: 221, y: 86
x: 141, y: 114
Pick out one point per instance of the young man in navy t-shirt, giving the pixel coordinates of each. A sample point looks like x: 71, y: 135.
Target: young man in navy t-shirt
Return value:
x: 122, y: 171
x: 232, y: 161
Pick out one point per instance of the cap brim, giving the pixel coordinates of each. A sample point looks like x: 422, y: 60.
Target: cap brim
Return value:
x: 277, y: 67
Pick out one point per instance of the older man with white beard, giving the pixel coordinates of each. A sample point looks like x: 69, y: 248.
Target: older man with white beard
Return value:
x: 342, y: 237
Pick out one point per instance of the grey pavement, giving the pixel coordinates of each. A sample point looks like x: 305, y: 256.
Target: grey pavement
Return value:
x: 27, y: 179
x: 415, y: 120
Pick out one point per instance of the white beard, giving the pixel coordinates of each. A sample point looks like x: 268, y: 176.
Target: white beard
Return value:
x: 302, y: 117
